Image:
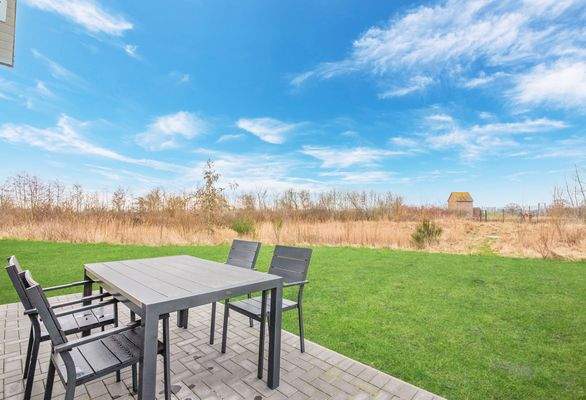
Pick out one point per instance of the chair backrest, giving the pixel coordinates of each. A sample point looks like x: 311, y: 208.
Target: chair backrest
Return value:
x: 243, y: 253
x: 39, y: 301
x: 14, y: 271
x: 291, y: 263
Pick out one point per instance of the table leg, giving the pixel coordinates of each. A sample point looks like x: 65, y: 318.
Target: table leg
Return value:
x: 147, y: 382
x: 183, y: 318
x: 274, y: 366
x: 87, y: 291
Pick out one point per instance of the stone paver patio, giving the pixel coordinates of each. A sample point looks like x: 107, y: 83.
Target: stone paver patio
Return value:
x: 200, y: 371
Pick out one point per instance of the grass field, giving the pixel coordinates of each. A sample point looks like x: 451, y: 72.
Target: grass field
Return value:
x: 465, y: 327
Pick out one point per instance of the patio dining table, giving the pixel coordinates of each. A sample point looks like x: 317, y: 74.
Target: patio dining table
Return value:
x: 152, y: 287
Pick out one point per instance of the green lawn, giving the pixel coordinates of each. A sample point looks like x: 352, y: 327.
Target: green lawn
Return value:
x: 465, y: 327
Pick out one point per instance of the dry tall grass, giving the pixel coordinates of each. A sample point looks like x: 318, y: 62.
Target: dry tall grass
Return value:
x: 32, y: 209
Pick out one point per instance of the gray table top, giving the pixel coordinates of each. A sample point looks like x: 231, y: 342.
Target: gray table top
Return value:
x: 177, y: 281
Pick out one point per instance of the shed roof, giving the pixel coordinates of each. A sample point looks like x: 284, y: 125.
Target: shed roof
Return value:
x: 460, y: 196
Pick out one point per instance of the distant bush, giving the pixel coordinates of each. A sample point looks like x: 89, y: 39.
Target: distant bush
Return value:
x: 426, y: 233
x: 243, y: 226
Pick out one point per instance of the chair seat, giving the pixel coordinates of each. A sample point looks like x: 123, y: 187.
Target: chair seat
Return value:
x: 104, y: 356
x: 82, y: 321
x: 252, y: 307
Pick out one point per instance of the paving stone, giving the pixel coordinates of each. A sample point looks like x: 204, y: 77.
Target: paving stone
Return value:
x: 200, y: 371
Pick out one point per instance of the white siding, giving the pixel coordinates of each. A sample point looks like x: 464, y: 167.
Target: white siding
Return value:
x: 7, y: 34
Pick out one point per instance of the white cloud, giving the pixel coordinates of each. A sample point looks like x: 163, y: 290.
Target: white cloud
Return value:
x: 350, y: 134
x: 65, y: 137
x: 404, y: 142
x: 131, y: 50
x: 440, y: 118
x: 478, y: 140
x: 87, y: 13
x: 360, y: 177
x: 58, y: 71
x: 163, y: 132
x: 512, y: 128
x: 482, y: 80
x: 8, y: 89
x: 415, y: 84
x: 486, y: 115
x: 454, y: 37
x: 256, y: 171
x: 560, y: 84
x: 269, y: 130
x: 229, y: 138
x: 573, y: 147
x: 42, y: 89
x: 333, y: 157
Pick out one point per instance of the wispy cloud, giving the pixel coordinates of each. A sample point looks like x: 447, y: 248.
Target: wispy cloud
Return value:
x: 269, y: 130
x: 402, y: 141
x: 163, y: 133
x: 359, y: 177
x: 573, y: 148
x: 58, y: 71
x: 131, y: 50
x: 86, y: 13
x: 66, y: 137
x: 415, y: 84
x: 42, y: 89
x: 336, y: 157
x: 560, y: 84
x: 256, y: 171
x: 229, y: 138
x: 482, y: 79
x: 181, y: 78
x: 454, y: 37
x: 478, y: 140
x: 440, y: 118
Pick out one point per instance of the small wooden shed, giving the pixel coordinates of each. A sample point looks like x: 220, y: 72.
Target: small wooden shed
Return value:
x: 462, y: 203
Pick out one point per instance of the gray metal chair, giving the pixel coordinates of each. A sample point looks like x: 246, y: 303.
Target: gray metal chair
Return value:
x: 291, y: 263
x: 80, y: 320
x: 242, y: 254
x: 92, y: 357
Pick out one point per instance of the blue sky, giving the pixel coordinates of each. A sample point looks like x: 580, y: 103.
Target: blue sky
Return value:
x: 418, y: 98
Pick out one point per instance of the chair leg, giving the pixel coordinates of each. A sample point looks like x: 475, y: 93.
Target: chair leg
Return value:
x: 134, y: 380
x: 31, y: 369
x: 70, y: 391
x: 225, y: 326
x: 167, y: 358
x: 50, y: 379
x: 250, y: 319
x: 213, y: 323
x: 28, y: 353
x: 118, y: 375
x: 301, y: 328
x: 261, y: 343
x: 102, y: 292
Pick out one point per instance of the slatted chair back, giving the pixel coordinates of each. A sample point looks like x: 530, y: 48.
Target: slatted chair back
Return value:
x: 291, y: 263
x: 243, y: 254
x: 14, y: 271
x: 39, y: 301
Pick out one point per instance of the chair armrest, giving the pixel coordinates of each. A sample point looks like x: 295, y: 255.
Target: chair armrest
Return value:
x: 81, y: 300
x: 86, y: 308
x: 65, y: 286
x: 289, y: 284
x: 92, y: 338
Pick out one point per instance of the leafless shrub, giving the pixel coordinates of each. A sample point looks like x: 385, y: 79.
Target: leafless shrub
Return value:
x: 35, y: 209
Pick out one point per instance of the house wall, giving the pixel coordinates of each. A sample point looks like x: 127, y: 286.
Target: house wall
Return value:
x: 463, y: 207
